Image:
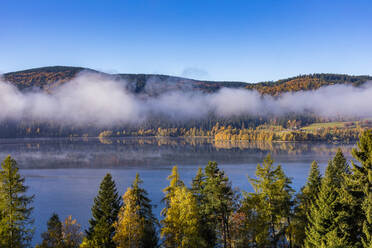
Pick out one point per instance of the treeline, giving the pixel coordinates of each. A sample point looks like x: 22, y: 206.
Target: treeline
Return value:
x: 333, y: 210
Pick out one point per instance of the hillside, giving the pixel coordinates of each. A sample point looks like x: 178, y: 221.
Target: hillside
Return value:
x: 48, y: 77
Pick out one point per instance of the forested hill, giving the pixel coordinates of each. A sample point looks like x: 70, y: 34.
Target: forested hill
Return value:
x: 49, y: 77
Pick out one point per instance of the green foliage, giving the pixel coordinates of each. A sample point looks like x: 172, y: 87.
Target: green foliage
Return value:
x: 53, y: 237
x: 104, y: 213
x: 15, y: 209
x: 326, y: 215
x: 268, y: 209
x: 305, y: 200
x: 358, y: 193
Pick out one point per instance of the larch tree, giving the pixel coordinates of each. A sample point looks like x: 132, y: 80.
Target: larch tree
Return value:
x: 174, y: 182
x: 104, y: 213
x: 129, y: 228
x: 181, y: 225
x: 136, y: 225
x: 53, y: 237
x: 71, y: 233
x: 15, y: 209
x: 325, y: 217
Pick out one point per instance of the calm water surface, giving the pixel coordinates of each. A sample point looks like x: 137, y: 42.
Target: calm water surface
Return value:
x: 64, y: 174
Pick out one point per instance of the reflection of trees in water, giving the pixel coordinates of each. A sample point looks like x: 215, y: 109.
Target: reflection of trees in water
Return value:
x: 124, y: 152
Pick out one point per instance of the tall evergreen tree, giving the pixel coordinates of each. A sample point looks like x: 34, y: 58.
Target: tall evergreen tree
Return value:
x: 305, y: 199
x: 268, y: 209
x: 326, y: 215
x: 15, y: 209
x: 219, y: 203
x: 53, y: 237
x: 358, y: 193
x: 104, y: 213
x: 136, y: 217
x: 181, y: 225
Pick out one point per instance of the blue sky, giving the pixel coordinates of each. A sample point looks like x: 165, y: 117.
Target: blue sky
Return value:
x: 217, y: 40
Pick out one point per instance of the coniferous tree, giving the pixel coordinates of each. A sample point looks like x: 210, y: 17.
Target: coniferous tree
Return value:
x: 71, y: 233
x: 181, y: 225
x: 326, y: 216
x: 207, y: 225
x: 174, y: 182
x: 358, y: 193
x: 130, y: 225
x: 15, y: 209
x: 305, y: 200
x: 219, y: 203
x: 136, y: 224
x: 53, y: 237
x: 268, y: 209
x: 104, y: 213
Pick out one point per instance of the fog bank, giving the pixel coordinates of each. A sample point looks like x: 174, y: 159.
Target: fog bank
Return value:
x: 92, y: 99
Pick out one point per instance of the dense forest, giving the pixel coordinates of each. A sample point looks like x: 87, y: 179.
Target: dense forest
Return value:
x: 289, y: 127
x: 330, y: 210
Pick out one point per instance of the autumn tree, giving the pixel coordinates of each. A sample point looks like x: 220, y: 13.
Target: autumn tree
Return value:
x: 104, y: 213
x: 71, y: 233
x: 136, y: 225
x: 181, y: 225
x: 174, y: 182
x: 15, y: 209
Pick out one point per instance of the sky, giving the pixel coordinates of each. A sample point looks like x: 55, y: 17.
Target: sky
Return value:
x: 248, y: 40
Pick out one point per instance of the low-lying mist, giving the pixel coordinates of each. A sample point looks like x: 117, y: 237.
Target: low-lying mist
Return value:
x: 95, y: 100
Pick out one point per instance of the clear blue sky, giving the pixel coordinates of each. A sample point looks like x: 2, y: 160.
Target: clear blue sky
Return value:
x: 218, y: 40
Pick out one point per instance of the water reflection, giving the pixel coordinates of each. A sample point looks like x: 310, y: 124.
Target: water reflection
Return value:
x: 132, y: 152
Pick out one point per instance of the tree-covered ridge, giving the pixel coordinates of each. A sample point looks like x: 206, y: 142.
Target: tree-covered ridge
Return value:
x: 307, y: 82
x: 45, y: 77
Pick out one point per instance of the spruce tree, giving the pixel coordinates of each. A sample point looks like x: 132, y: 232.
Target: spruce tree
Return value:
x: 305, y: 199
x: 53, y: 237
x: 220, y: 203
x: 358, y: 193
x: 15, y: 209
x: 326, y: 218
x: 104, y: 213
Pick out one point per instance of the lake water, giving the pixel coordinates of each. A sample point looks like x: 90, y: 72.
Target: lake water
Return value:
x: 64, y: 174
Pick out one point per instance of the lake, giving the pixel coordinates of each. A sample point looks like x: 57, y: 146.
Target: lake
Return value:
x: 64, y: 174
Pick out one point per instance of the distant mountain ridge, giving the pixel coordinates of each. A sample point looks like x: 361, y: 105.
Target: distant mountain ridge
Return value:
x: 47, y: 78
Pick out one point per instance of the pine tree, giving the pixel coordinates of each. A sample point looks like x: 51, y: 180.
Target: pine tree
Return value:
x: 268, y: 208
x: 305, y: 199
x: 325, y: 215
x: 53, y: 237
x: 220, y: 202
x: 180, y: 226
x: 358, y: 193
x: 136, y: 220
x: 15, y: 209
x: 104, y: 213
